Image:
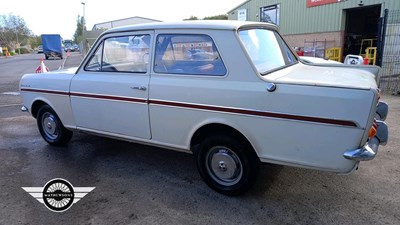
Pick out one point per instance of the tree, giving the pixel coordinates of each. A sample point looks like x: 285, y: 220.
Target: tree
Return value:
x: 35, y: 41
x: 77, y: 38
x: 192, y: 18
x: 218, y: 17
x: 13, y: 31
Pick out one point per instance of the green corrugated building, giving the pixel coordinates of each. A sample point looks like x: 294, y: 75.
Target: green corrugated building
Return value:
x: 336, y: 21
x: 348, y: 25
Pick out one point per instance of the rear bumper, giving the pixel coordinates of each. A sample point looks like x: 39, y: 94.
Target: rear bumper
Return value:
x: 53, y: 54
x: 370, y: 149
x: 381, y: 111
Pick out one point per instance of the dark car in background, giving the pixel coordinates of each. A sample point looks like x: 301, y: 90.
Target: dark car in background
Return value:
x: 69, y: 45
x: 68, y: 48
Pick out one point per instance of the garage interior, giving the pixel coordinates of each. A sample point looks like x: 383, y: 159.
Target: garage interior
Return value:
x: 361, y: 29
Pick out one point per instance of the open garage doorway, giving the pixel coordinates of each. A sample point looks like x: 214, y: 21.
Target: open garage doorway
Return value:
x: 361, y: 29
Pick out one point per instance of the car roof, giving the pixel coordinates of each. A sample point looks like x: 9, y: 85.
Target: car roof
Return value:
x: 194, y: 24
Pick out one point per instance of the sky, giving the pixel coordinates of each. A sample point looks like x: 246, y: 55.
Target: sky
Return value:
x: 60, y: 17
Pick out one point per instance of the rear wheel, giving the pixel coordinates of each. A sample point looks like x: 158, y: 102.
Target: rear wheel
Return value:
x: 51, y: 128
x: 227, y: 165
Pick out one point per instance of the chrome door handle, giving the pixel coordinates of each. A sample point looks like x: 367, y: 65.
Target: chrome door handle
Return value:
x: 141, y: 88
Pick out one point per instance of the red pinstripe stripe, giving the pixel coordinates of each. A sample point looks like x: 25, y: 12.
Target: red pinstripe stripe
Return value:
x: 108, y: 97
x: 257, y: 113
x: 204, y: 107
x: 45, y: 91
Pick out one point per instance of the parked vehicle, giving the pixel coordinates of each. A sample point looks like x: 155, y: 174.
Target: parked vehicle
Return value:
x: 254, y: 101
x: 68, y: 47
x: 75, y: 47
x: 316, y: 60
x: 52, y: 46
x: 40, y: 49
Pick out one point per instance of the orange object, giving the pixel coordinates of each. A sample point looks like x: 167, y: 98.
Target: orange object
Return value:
x: 372, y: 132
x: 374, y: 129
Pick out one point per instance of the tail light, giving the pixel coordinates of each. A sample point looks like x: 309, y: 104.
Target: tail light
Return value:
x: 373, y: 130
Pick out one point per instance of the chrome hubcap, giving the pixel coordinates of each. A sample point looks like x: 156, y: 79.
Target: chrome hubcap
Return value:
x: 50, y: 126
x: 224, y: 166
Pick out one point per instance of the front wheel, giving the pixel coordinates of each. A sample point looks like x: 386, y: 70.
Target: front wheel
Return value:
x: 51, y: 128
x: 227, y: 165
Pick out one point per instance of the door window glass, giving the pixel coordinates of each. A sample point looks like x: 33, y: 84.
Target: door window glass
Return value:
x: 188, y: 55
x: 122, y: 54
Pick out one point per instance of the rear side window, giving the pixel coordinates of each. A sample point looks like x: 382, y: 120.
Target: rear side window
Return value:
x: 192, y: 54
x: 266, y: 49
x: 122, y: 54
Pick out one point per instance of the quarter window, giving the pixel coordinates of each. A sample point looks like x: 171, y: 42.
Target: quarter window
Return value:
x: 122, y: 54
x: 95, y: 61
x: 188, y: 55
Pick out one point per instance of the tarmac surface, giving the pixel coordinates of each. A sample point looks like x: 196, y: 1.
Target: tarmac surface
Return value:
x: 137, y: 184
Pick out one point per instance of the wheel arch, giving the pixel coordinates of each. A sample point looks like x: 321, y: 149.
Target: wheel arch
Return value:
x: 217, y: 129
x: 36, y: 106
x: 50, y: 125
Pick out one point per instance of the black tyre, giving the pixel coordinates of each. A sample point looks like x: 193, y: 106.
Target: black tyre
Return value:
x: 227, y: 165
x: 51, y: 128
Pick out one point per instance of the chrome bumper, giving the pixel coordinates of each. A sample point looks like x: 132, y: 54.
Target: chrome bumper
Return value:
x: 381, y: 111
x: 369, y: 151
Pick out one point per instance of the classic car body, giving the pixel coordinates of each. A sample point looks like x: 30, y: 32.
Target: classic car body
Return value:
x: 242, y: 106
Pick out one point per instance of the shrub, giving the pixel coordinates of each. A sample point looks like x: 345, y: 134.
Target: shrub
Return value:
x: 22, y: 50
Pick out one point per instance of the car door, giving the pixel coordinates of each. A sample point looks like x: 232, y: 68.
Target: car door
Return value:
x: 109, y: 94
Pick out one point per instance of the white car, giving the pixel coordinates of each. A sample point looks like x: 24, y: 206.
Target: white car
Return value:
x: 40, y: 49
x: 316, y: 60
x: 253, y: 102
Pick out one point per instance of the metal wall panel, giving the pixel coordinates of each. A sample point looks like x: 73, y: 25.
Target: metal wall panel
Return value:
x: 296, y: 18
